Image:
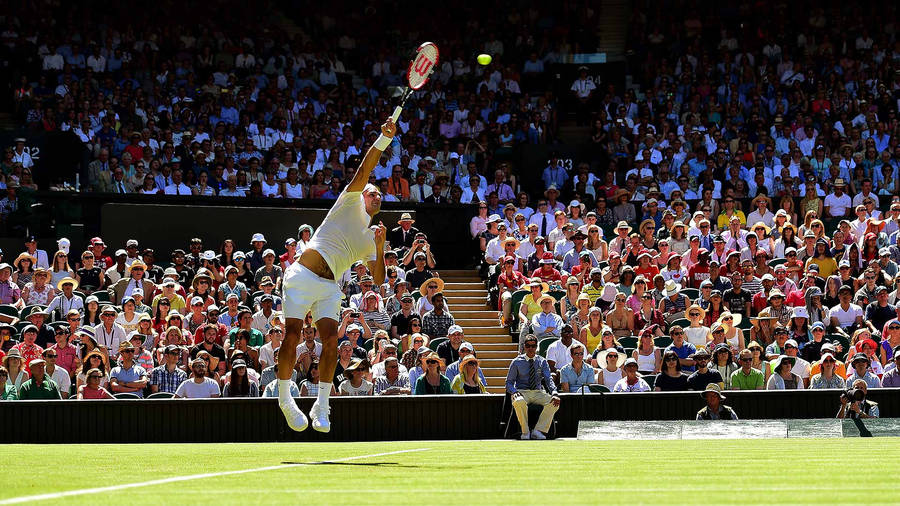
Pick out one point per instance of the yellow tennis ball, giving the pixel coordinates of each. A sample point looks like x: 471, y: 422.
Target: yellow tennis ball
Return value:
x: 484, y: 59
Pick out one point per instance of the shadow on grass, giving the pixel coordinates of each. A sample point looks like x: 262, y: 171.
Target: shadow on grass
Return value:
x: 361, y: 464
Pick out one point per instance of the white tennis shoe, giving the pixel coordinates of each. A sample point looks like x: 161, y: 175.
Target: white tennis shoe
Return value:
x: 295, y: 418
x: 536, y: 434
x: 319, y: 415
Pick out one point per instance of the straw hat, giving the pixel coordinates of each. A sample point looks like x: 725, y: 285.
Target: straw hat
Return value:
x: 512, y: 240
x: 624, y: 224
x: 621, y: 192
x: 671, y: 289
x: 23, y: 256
x: 696, y: 307
x: 761, y: 197
x: 737, y: 318
x: 761, y: 224
x: 714, y: 388
x: 67, y: 280
x: 542, y: 298
x: 534, y: 281
x: 440, y: 285
x: 601, y: 358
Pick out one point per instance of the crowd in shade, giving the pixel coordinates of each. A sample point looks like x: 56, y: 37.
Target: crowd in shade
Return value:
x: 734, y: 222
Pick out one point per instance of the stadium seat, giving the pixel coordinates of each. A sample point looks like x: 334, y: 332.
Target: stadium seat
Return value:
x: 516, y: 302
x: 745, y: 324
x: 775, y: 262
x: 684, y: 322
x: 369, y: 344
x: 557, y: 294
x: 434, y: 343
x: 544, y: 344
x: 23, y: 314
x: 839, y: 339
x: 102, y: 296
x: 126, y: 395
x: 691, y: 293
x: 21, y: 325
x: 598, y: 389
x: 629, y: 341
x: 417, y: 296
x: 9, y: 310
x: 662, y: 341
x: 650, y: 379
x: 161, y: 395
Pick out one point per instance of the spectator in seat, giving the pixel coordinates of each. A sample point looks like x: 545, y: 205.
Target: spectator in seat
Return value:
x: 703, y: 375
x: 394, y: 381
x: 239, y: 385
x: 245, y: 320
x: 210, y: 346
x: 420, y: 273
x: 167, y: 377
x: 402, y: 237
x: 449, y: 350
x: 10, y: 293
x: 269, y: 269
x: 861, y: 364
x: 431, y: 381
x: 631, y: 381
x: 199, y: 386
x: 39, y: 386
x: 128, y: 377
x: 546, y: 323
x: 576, y: 375
x: 746, y: 377
x: 437, y: 322
x: 93, y: 388
x: 59, y: 375
x: 528, y: 382
x: 356, y: 383
x: 782, y: 378
x: 469, y: 379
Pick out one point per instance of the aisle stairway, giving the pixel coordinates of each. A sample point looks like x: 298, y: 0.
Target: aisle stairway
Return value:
x: 466, y: 297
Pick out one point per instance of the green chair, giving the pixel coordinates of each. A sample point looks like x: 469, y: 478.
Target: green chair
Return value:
x: 662, y: 342
x: 650, y: 379
x: 691, y: 293
x: 745, y: 324
x: 598, y: 389
x: 161, y: 395
x: 9, y: 310
x: 126, y: 395
x: 21, y: 325
x: 603, y: 265
x: 629, y: 352
x: 557, y: 294
x: 545, y: 343
x: 775, y: 262
x: 629, y: 342
x: 684, y: 322
x: 516, y: 302
x: 103, y: 296
x: 417, y: 296
x: 368, y: 344
x: 434, y: 343
x: 23, y: 314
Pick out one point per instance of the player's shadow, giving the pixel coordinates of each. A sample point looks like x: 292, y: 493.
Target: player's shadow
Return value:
x: 364, y: 464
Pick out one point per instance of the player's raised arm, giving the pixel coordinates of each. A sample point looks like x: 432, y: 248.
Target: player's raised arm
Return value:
x: 361, y: 178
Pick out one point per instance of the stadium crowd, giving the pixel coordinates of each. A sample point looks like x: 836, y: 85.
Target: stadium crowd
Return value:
x: 736, y: 223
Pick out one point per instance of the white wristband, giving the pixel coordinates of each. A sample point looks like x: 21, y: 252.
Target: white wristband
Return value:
x: 383, y: 142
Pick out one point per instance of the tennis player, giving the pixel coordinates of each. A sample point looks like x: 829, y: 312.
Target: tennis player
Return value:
x: 309, y: 283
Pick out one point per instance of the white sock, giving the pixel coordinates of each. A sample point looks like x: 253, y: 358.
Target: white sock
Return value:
x: 284, y: 391
x: 324, y: 393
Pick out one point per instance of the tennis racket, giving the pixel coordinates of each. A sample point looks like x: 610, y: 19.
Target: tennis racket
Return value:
x: 420, y: 69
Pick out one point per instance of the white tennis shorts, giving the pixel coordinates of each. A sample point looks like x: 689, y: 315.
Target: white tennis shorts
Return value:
x: 304, y: 292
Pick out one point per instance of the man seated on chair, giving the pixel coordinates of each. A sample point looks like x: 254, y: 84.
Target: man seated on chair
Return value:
x: 529, y: 382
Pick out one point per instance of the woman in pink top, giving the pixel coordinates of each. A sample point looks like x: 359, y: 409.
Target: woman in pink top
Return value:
x: 92, y: 389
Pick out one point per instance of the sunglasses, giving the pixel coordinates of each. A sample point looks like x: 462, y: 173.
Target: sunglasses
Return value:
x: 127, y: 351
x: 50, y: 356
x: 94, y: 376
x: 432, y: 362
x: 671, y: 359
x: 677, y: 333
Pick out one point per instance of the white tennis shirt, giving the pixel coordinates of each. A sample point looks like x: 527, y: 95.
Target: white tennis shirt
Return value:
x: 345, y: 237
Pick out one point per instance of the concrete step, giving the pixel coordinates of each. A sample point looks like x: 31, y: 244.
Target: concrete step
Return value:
x: 448, y: 286
x: 498, y: 390
x: 494, y: 330
x: 482, y: 293
x: 495, y: 362
x: 481, y: 340
x: 469, y: 306
x: 485, y: 353
x: 457, y: 301
x: 481, y: 314
x: 496, y: 381
x: 476, y: 322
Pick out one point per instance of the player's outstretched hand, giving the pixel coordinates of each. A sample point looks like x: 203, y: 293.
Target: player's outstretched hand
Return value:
x: 380, y: 231
x: 388, y: 129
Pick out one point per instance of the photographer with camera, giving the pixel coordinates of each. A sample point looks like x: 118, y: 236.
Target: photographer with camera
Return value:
x: 854, y: 404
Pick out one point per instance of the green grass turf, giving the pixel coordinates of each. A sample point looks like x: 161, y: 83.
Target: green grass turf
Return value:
x: 467, y: 472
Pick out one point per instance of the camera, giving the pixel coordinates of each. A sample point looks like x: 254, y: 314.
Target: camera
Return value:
x: 854, y: 395
x: 354, y: 315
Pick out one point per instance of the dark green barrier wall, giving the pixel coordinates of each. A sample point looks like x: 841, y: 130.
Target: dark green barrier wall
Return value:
x: 375, y: 418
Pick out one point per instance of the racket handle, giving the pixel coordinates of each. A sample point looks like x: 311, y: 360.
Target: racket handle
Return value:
x: 397, y: 111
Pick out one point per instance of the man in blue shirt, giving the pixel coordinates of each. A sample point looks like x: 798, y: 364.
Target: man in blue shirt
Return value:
x: 529, y: 382
x: 681, y: 348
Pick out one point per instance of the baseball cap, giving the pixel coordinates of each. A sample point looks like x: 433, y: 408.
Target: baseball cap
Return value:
x: 454, y: 329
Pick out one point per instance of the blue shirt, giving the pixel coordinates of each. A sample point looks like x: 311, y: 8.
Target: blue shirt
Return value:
x: 568, y: 375
x: 165, y: 380
x: 686, y: 350
x: 519, y: 375
x: 542, y: 321
x: 126, y: 375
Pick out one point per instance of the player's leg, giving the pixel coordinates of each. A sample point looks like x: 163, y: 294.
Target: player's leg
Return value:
x: 287, y: 357
x: 328, y: 330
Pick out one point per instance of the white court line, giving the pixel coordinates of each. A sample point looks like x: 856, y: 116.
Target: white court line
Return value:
x: 175, y: 479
